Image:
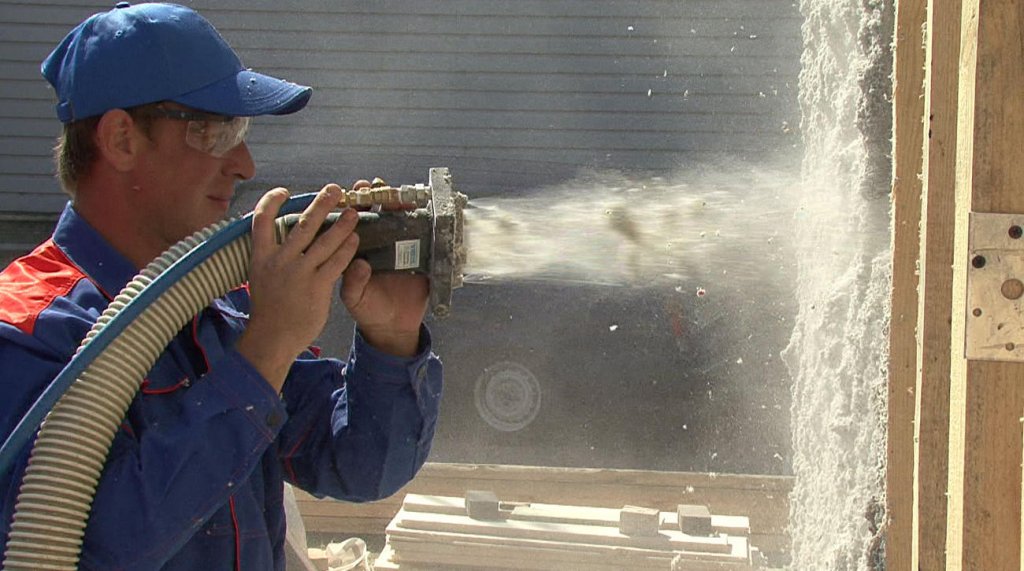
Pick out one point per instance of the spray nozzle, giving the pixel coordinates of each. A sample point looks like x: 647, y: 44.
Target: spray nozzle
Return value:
x: 412, y: 228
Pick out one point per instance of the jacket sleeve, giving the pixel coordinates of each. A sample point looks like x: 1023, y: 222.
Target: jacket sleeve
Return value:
x: 358, y: 435
x: 27, y: 365
x: 362, y: 430
x: 157, y: 490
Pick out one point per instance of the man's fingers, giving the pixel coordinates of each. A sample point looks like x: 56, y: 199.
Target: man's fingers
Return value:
x: 263, y: 231
x: 334, y: 249
x: 357, y: 276
x: 304, y: 231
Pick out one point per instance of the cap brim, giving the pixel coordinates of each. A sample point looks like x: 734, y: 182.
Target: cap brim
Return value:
x: 248, y: 94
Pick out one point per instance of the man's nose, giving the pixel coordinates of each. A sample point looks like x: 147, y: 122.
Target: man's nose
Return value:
x: 239, y: 162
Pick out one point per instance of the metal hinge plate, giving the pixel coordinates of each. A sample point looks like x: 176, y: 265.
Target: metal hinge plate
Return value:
x: 995, y: 287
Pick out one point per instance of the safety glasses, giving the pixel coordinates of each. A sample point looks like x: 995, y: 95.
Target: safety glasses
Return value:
x: 207, y: 132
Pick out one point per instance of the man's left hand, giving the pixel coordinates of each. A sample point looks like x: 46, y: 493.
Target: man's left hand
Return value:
x: 387, y: 307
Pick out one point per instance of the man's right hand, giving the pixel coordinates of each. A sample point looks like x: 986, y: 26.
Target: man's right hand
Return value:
x: 292, y: 284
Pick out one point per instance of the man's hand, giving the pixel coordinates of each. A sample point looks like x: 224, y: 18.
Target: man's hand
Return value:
x: 388, y: 307
x: 291, y: 284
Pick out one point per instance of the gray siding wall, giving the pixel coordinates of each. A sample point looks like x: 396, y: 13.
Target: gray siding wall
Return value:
x: 509, y: 94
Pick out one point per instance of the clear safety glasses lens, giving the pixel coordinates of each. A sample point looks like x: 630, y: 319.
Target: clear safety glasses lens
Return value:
x: 216, y: 136
x: 207, y: 132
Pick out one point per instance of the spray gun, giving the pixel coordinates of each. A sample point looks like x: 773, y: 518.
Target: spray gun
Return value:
x: 411, y: 228
x: 425, y: 235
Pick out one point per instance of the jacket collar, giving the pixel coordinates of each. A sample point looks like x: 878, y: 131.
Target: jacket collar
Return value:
x: 104, y: 265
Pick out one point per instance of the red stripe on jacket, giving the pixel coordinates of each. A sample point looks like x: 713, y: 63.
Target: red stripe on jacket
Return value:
x: 31, y: 283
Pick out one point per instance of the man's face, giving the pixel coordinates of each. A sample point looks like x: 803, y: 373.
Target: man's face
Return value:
x: 182, y: 189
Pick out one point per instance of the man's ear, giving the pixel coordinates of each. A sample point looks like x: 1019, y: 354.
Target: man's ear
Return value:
x: 119, y: 140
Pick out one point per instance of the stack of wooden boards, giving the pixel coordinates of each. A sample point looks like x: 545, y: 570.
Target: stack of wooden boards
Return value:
x: 479, y: 532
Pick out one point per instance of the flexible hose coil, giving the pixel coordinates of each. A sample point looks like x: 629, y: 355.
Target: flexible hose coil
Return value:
x: 70, y: 451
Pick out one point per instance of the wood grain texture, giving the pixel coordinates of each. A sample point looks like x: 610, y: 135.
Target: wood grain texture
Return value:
x: 763, y: 499
x: 986, y: 398
x: 908, y: 102
x: 936, y: 274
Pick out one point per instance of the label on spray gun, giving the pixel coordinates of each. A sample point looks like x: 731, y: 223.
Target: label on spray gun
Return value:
x: 407, y: 254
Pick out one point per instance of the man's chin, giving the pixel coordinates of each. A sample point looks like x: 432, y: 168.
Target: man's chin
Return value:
x: 222, y: 204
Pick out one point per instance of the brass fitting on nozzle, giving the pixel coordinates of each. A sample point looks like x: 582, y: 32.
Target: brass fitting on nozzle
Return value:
x: 412, y: 228
x: 386, y: 197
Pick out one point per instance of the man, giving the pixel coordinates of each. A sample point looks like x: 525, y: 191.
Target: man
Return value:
x: 155, y: 106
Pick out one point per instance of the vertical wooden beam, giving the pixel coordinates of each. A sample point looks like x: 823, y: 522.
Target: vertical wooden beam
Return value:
x: 931, y: 452
x: 986, y: 397
x: 908, y: 118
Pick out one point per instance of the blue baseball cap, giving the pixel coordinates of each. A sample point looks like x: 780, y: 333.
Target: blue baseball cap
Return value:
x: 134, y: 55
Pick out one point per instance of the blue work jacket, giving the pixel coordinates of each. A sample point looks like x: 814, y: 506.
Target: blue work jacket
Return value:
x: 194, y: 478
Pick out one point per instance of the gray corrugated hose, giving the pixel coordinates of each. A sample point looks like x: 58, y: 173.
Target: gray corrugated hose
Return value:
x: 65, y: 465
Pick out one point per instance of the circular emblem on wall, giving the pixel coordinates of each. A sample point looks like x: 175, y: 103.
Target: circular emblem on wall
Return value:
x: 507, y: 396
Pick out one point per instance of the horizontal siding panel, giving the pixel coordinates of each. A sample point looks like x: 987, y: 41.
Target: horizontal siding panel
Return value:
x: 668, y: 107
x: 347, y: 165
x: 27, y: 146
x: 27, y: 52
x: 297, y: 65
x: 24, y: 79
x: 427, y: 27
x: 15, y: 108
x: 503, y: 81
x: 629, y: 9
x: 480, y: 174
x: 575, y: 103
x: 528, y: 64
x: 342, y: 32
x: 560, y: 82
x: 635, y: 9
x: 302, y: 160
x: 66, y: 14
x: 29, y: 88
x: 26, y: 165
x: 41, y: 184
x: 330, y: 43
x: 31, y: 127
x: 672, y: 110
x: 321, y: 117
x: 466, y: 139
x: 507, y: 94
x: 41, y: 33
x: 376, y: 27
x: 478, y: 177
x: 451, y: 121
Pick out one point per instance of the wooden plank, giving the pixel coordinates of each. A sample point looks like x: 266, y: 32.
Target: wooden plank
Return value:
x: 764, y: 499
x: 497, y: 555
x: 986, y: 398
x: 732, y: 525
x: 548, y: 552
x: 931, y: 451
x: 618, y: 486
x: 491, y: 557
x: 408, y: 523
x: 907, y: 120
